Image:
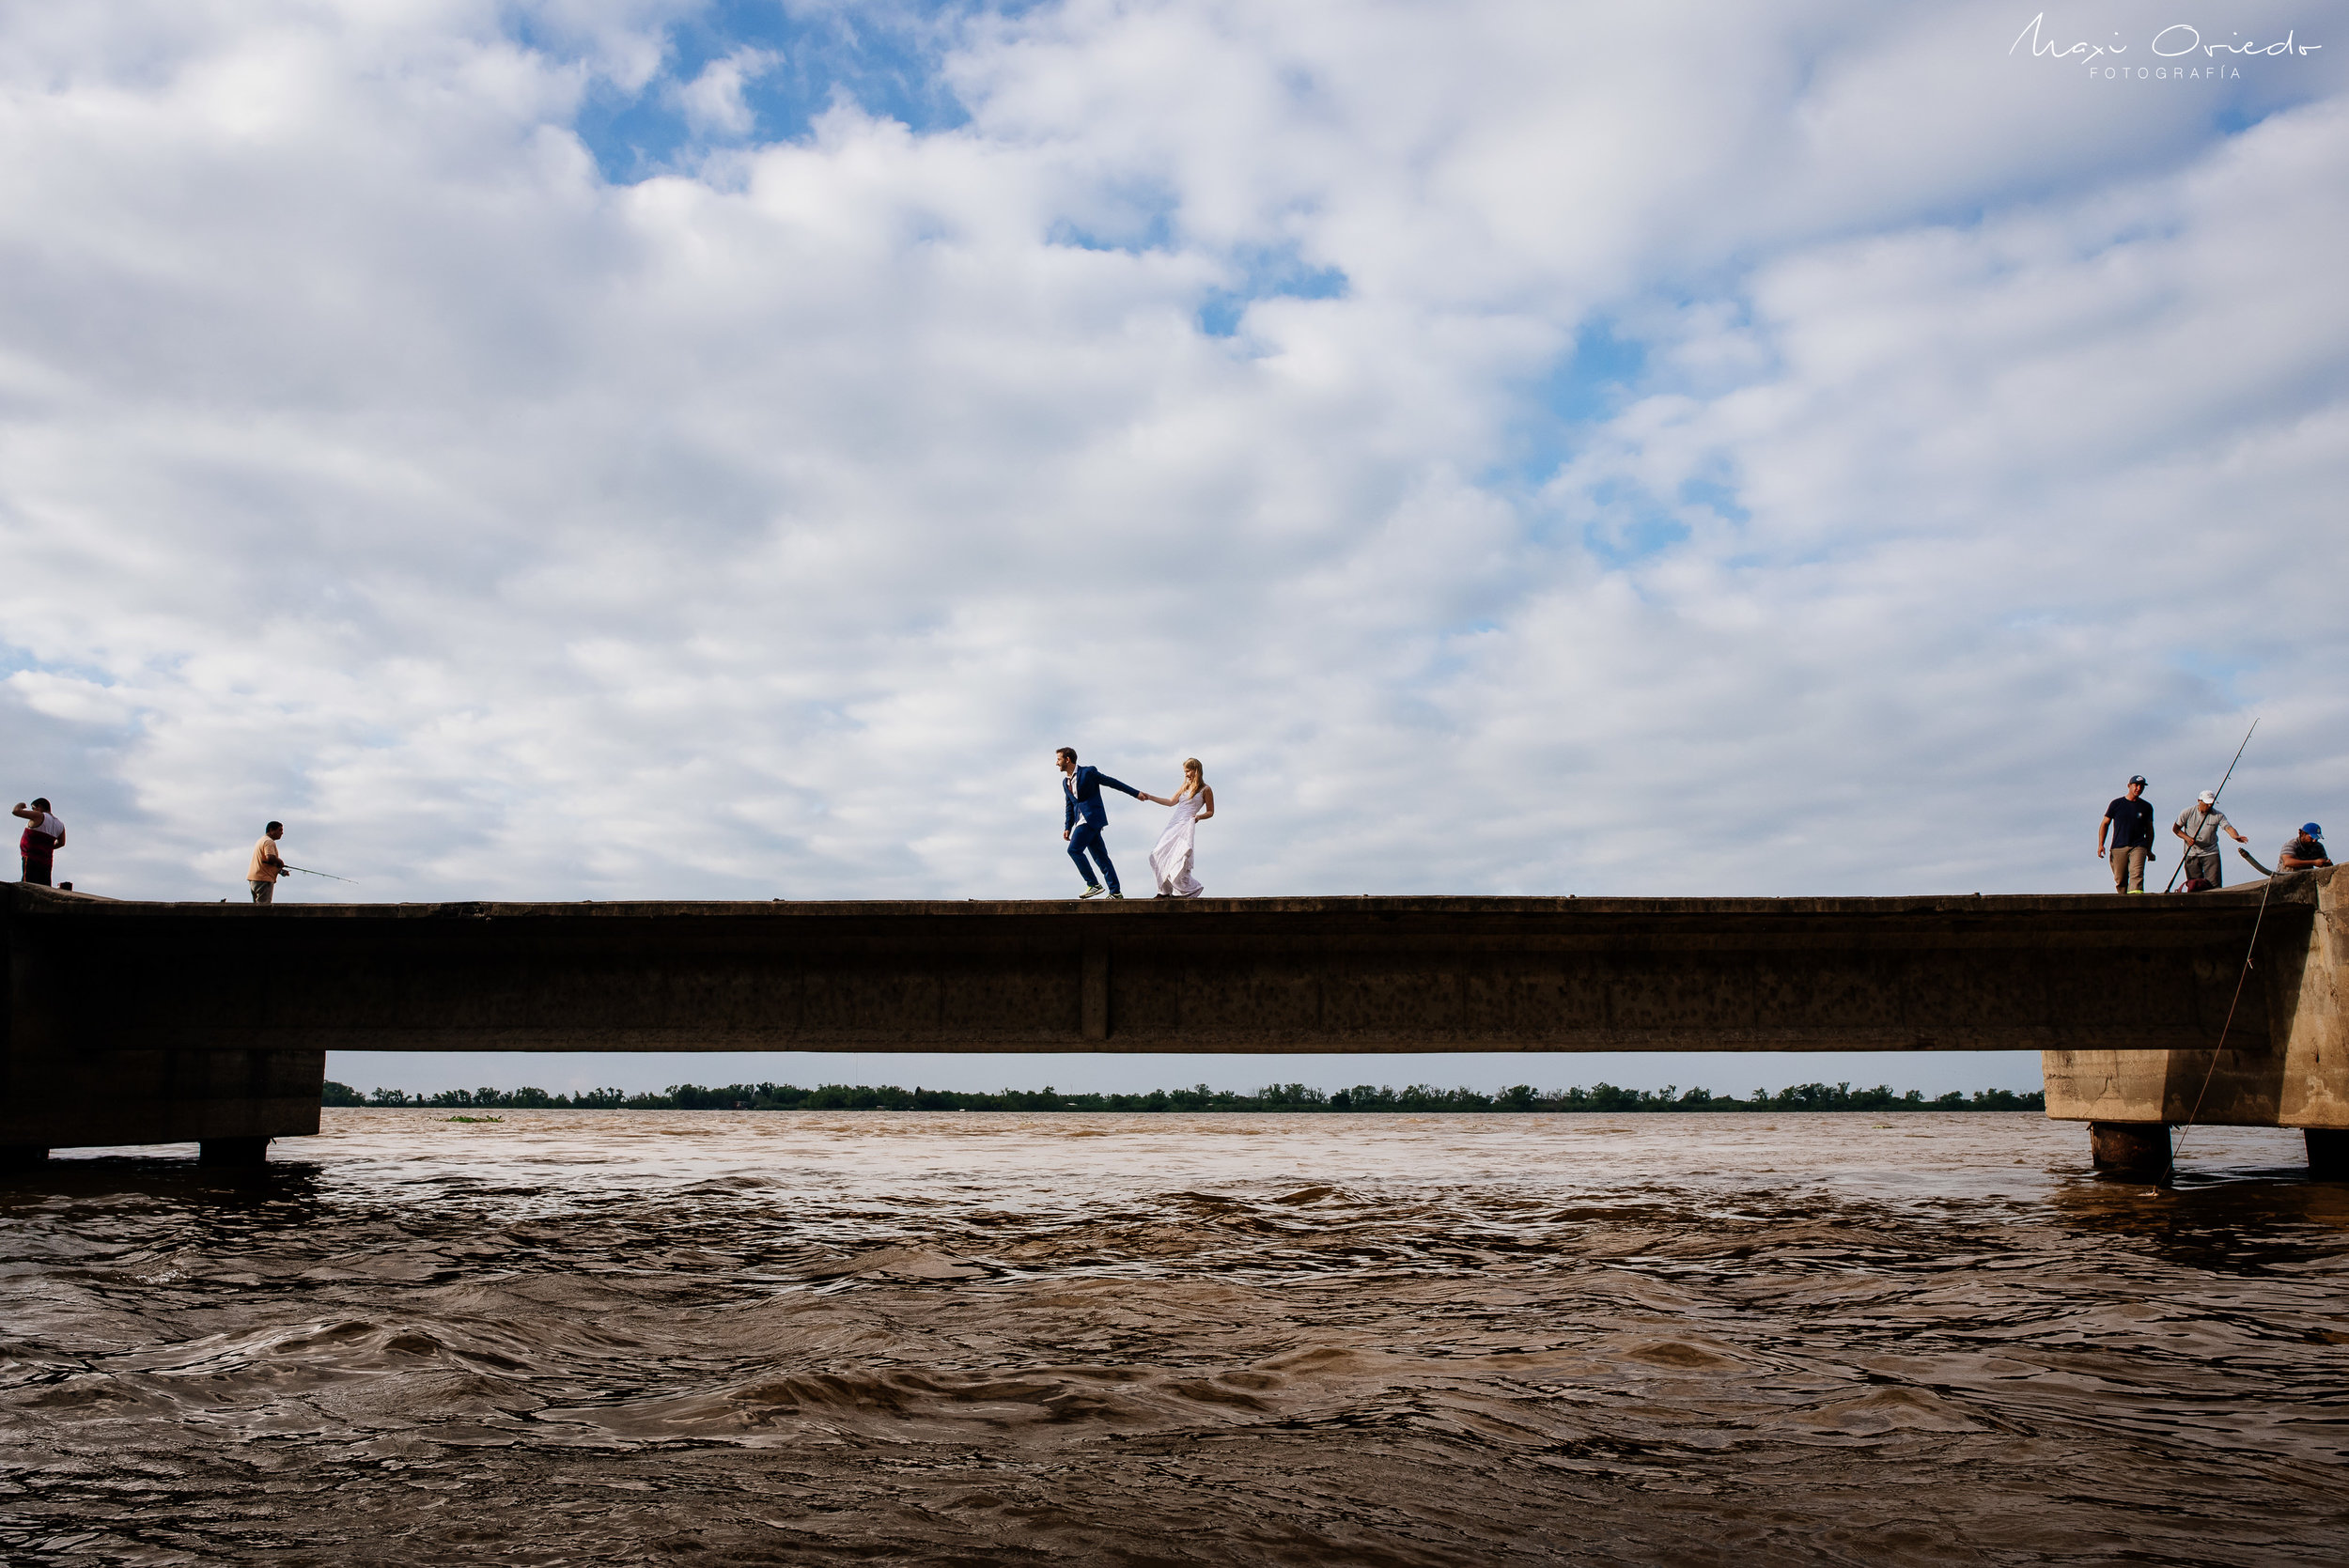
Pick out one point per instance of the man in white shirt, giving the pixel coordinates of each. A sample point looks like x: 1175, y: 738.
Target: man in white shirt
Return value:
x: 267, y: 866
x: 2200, y: 825
x: 43, y: 839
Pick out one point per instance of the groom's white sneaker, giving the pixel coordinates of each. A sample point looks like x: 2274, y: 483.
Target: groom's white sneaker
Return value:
x: 1092, y: 890
x: 1113, y: 894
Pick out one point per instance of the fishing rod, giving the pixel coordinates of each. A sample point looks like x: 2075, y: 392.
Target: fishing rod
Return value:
x: 2194, y: 845
x: 328, y: 875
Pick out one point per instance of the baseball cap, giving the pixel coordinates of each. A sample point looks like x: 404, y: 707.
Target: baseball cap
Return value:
x: 2312, y: 829
x: 2208, y: 796
x: 2137, y: 778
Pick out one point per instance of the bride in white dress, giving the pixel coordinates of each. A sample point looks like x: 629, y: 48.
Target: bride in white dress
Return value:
x: 1170, y: 860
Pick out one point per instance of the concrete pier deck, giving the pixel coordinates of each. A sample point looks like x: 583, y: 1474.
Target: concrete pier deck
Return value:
x: 134, y: 1022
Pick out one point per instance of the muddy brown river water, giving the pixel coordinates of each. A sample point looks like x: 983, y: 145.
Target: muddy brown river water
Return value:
x: 571, y: 1337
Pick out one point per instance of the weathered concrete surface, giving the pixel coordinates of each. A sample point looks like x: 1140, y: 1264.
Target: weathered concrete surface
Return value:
x: 164, y: 1022
x: 2129, y: 1148
x: 66, y: 1083
x: 2286, y: 1061
x: 77, y: 1098
x: 2311, y: 998
x: 1228, y: 975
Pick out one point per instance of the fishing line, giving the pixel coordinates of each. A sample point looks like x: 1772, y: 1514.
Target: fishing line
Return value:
x: 2239, y: 980
x: 328, y: 875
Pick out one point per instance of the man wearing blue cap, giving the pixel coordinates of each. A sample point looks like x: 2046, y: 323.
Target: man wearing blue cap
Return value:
x: 2130, y: 821
x: 2306, y: 852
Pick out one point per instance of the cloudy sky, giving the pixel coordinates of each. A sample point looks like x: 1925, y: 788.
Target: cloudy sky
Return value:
x: 640, y: 448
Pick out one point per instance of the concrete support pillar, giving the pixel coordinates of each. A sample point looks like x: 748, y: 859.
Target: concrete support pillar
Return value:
x: 2329, y: 1154
x: 1094, y: 1005
x: 2135, y: 1149
x: 77, y: 1098
x: 233, y: 1151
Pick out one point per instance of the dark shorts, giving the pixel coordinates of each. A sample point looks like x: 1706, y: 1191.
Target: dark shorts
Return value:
x: 37, y: 871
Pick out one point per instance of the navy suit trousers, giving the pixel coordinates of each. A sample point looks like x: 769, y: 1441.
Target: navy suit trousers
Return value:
x: 1084, y: 838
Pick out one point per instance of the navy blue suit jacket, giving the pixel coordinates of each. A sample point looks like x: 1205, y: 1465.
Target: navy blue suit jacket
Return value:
x: 1083, y: 796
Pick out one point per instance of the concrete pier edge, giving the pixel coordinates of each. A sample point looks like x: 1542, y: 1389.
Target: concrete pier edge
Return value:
x: 147, y: 1022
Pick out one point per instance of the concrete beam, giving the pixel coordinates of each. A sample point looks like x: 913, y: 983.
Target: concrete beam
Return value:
x: 1230, y: 975
x: 152, y: 1023
x: 2286, y: 1060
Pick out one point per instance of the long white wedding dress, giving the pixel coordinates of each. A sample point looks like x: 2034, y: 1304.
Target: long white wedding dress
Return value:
x: 1170, y: 860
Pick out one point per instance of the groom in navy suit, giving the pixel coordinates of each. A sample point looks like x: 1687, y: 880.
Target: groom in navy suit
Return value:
x: 1085, y: 818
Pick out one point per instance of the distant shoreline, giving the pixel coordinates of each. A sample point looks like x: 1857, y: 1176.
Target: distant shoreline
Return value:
x: 1287, y: 1097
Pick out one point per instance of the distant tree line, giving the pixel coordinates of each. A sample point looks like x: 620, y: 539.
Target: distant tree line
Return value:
x: 1278, y: 1096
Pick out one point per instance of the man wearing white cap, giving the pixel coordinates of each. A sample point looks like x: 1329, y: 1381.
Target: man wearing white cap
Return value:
x: 2199, y: 825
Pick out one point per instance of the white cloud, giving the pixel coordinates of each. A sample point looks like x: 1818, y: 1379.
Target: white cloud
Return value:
x: 713, y: 102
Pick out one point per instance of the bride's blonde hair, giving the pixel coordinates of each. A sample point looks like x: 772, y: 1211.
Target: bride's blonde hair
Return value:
x: 1197, y: 781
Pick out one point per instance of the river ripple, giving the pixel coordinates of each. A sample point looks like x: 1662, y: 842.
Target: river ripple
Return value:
x: 576, y: 1337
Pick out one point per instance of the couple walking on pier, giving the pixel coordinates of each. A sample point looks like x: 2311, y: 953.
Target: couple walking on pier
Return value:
x: 1085, y: 816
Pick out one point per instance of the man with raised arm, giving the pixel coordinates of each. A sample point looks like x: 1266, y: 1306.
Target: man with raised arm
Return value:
x: 1085, y: 816
x: 2200, y: 825
x: 42, y: 841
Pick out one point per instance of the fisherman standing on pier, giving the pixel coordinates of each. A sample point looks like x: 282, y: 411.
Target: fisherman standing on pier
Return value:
x: 2130, y: 820
x: 42, y: 841
x: 2198, y: 826
x: 267, y: 864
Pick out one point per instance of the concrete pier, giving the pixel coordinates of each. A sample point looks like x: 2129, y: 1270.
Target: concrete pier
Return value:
x: 2286, y: 1057
x: 2139, y: 1149
x: 133, y: 1023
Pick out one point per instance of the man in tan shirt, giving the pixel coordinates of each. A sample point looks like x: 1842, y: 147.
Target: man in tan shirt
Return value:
x: 262, y: 876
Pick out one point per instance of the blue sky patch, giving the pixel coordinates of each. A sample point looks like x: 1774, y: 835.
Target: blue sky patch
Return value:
x: 1629, y: 541
x: 1716, y: 497
x: 884, y: 59
x: 1266, y: 275
x: 2219, y: 672
x: 1595, y: 379
x: 1631, y: 528
x: 17, y: 660
x: 1150, y: 227
x: 1588, y: 383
